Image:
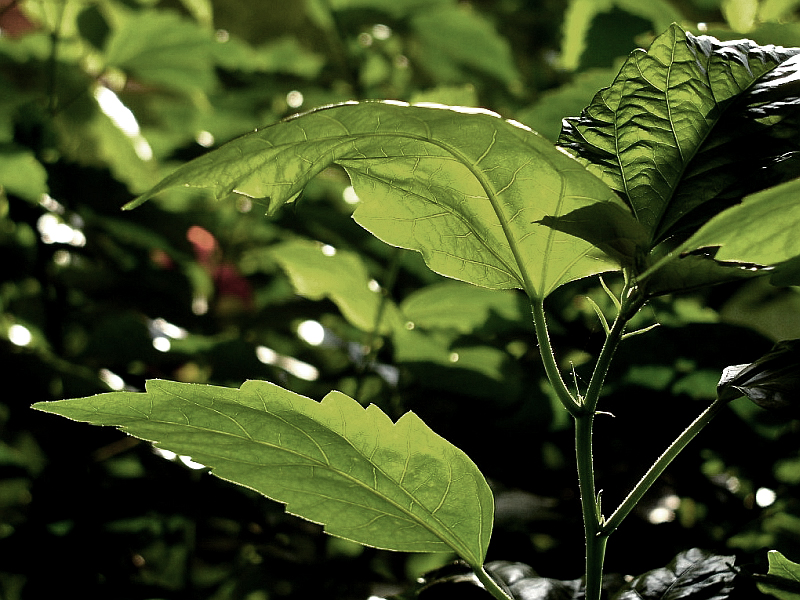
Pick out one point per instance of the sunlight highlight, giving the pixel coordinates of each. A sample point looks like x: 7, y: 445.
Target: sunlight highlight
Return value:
x: 124, y: 119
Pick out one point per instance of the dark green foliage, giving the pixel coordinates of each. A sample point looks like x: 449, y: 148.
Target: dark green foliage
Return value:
x: 89, y: 512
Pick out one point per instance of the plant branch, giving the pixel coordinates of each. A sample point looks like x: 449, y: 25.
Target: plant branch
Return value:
x: 548, y: 359
x: 660, y: 465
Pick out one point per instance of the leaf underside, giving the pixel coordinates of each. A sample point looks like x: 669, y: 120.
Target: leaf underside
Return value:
x: 465, y: 188
x: 688, y: 129
x: 396, y: 486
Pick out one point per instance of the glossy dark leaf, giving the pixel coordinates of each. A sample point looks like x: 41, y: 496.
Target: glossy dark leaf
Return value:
x: 688, y: 129
x: 517, y: 579
x: 772, y: 381
x: 694, y: 574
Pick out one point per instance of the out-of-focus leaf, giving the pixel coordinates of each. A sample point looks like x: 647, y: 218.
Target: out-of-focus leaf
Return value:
x: 201, y: 10
x: 462, y: 186
x: 396, y: 486
x: 456, y: 39
x: 390, y: 7
x: 566, y: 100
x: 581, y: 13
x: 772, y: 381
x: 21, y: 173
x: 452, y: 95
x: 687, y: 129
x: 318, y: 271
x: 691, y: 574
x: 284, y: 55
x: 464, y: 308
x: 782, y: 579
x: 165, y: 49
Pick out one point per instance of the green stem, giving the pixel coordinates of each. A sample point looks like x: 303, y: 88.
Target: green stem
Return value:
x: 593, y: 520
x: 549, y: 360
x: 660, y: 465
x: 590, y: 504
x: 490, y: 584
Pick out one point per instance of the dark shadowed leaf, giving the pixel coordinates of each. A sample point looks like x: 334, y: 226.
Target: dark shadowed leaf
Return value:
x: 397, y: 486
x: 772, y: 381
x: 692, y: 574
x: 517, y: 579
x: 686, y: 130
x: 462, y: 186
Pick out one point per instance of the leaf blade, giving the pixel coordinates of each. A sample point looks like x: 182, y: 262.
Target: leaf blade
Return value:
x: 465, y: 190
x: 397, y: 486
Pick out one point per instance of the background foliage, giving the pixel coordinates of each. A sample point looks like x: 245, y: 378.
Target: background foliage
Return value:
x: 184, y: 288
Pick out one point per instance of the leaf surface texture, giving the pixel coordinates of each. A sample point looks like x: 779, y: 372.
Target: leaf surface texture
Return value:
x: 397, y: 486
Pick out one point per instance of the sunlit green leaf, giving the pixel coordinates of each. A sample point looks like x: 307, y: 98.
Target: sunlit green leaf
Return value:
x: 465, y: 190
x: 397, y: 486
x: 783, y: 578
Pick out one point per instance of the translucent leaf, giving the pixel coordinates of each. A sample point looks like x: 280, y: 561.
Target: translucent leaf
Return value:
x: 318, y: 271
x: 783, y: 578
x: 397, y: 486
x: 462, y: 186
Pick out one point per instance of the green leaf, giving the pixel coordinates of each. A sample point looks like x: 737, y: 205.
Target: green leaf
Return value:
x: 163, y: 48
x: 21, y: 173
x: 783, y: 578
x: 462, y: 186
x: 396, y: 486
x: 580, y: 15
x: 762, y: 230
x: 455, y: 39
x: 465, y: 308
x: 687, y: 129
x: 318, y: 271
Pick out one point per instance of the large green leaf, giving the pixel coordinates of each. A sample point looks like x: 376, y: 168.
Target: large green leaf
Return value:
x: 687, y: 129
x: 397, y: 486
x: 462, y: 186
